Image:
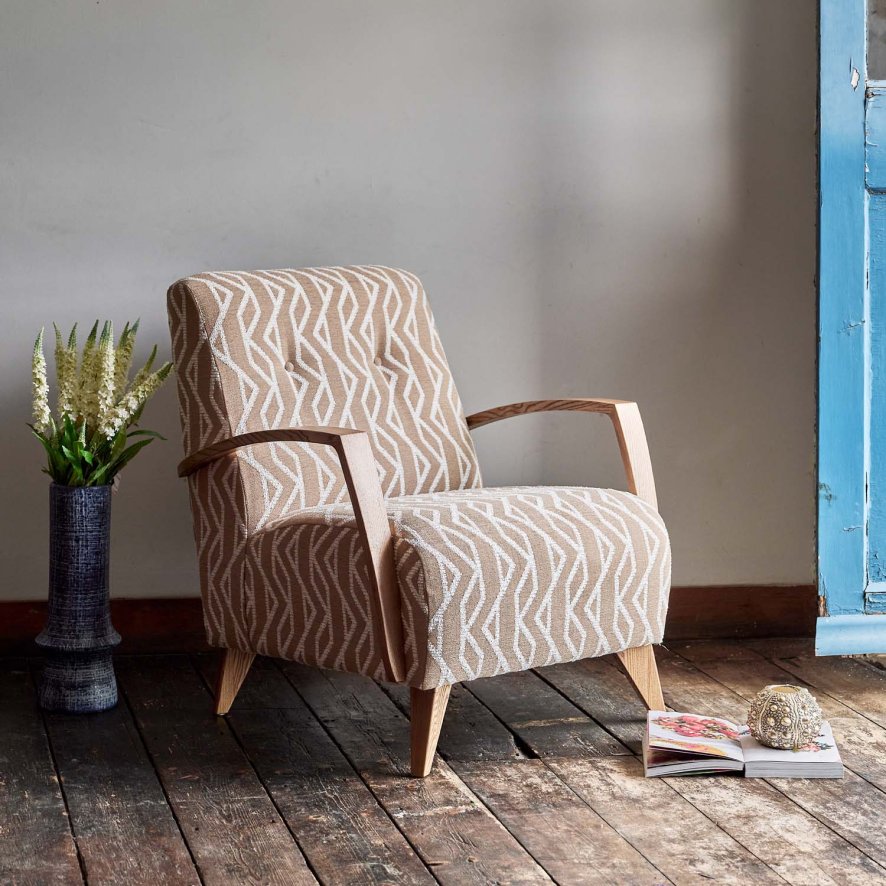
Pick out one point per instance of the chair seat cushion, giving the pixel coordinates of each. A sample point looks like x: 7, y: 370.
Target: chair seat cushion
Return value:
x: 492, y: 580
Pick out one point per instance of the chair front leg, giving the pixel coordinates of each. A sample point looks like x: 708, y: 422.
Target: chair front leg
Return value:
x: 642, y: 670
x: 233, y: 672
x: 428, y: 709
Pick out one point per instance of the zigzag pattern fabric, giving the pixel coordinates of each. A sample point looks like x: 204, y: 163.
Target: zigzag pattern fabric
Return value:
x: 349, y: 347
x: 491, y: 580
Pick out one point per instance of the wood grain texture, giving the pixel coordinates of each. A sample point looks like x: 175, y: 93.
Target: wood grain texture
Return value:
x: 848, y: 807
x: 678, y: 839
x: 804, y: 850
x: 741, y: 611
x: 427, y: 710
x: 233, y: 829
x: 601, y: 689
x: 643, y: 673
x: 325, y: 436
x: 860, y: 685
x: 339, y: 825
x: 548, y: 731
x: 449, y: 827
x: 523, y: 792
x: 354, y: 451
x: 116, y: 802
x: 626, y: 421
x: 862, y: 741
x: 234, y: 668
x: 470, y: 731
x: 543, y: 718
x: 567, y: 838
x: 36, y: 844
x: 527, y: 407
x: 789, y: 839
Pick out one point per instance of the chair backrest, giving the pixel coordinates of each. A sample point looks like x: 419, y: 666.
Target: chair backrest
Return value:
x: 351, y: 346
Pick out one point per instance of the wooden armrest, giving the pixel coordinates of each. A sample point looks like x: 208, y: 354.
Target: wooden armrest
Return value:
x: 360, y: 472
x: 626, y: 421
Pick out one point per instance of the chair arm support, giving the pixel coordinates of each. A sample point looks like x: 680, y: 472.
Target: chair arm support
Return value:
x: 358, y: 466
x: 626, y: 421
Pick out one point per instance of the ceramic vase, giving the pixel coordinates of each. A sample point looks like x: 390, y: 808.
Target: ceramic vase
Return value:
x: 78, y: 639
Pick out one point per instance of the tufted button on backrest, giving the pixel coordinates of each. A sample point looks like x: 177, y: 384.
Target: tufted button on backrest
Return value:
x: 351, y: 347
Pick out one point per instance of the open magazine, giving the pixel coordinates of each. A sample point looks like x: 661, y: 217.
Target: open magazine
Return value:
x: 683, y: 744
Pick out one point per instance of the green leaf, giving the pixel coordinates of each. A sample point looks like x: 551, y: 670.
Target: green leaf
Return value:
x: 143, y: 433
x: 128, y: 453
x: 119, y: 443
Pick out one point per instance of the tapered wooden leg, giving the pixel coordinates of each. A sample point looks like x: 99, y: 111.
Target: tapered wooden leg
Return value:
x: 640, y: 664
x: 428, y: 708
x: 233, y: 672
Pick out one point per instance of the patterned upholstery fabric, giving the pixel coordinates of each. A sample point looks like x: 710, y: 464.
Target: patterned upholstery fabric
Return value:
x: 491, y: 580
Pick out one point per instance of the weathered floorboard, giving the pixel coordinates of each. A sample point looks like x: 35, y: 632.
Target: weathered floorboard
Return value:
x: 346, y: 836
x: 678, y: 839
x: 790, y: 840
x: 564, y: 834
x: 36, y: 845
x: 234, y: 832
x: 567, y: 838
x: 543, y: 718
x: 856, y: 683
x: 535, y: 780
x: 682, y: 843
x: 125, y: 830
x: 603, y: 692
x: 862, y: 742
x: 851, y: 807
x: 453, y: 832
x: 470, y: 732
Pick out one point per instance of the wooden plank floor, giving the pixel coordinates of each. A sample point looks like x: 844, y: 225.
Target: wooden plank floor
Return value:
x: 538, y: 779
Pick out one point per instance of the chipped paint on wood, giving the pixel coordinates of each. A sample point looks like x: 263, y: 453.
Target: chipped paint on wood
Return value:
x: 850, y: 634
x: 844, y: 380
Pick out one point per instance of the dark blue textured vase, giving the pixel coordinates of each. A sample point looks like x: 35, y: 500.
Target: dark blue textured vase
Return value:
x: 78, y: 640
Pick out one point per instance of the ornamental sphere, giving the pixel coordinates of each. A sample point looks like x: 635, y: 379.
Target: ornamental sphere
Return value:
x: 784, y: 717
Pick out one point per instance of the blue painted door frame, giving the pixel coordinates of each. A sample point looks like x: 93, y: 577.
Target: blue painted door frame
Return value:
x: 852, y: 339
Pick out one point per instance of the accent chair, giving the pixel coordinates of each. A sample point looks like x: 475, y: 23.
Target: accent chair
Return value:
x: 339, y: 514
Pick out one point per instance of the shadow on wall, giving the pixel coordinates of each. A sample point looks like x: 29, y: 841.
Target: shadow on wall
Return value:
x: 683, y: 277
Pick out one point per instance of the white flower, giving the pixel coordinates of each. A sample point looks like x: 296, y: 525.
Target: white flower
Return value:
x: 123, y: 359
x: 87, y: 393
x: 104, y: 369
x: 132, y: 402
x: 42, y: 415
x: 66, y: 372
x: 145, y: 371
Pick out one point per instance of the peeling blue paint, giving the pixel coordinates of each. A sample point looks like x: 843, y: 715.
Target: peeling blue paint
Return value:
x: 850, y: 635
x: 852, y: 227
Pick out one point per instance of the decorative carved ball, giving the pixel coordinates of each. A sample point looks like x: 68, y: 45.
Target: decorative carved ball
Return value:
x: 784, y: 717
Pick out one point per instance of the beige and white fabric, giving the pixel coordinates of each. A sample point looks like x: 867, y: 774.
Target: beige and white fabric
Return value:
x: 491, y: 580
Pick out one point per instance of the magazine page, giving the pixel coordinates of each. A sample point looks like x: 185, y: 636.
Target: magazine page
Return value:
x: 822, y: 750
x: 694, y: 735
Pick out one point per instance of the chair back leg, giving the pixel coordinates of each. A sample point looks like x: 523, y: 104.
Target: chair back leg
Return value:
x: 428, y: 709
x: 642, y: 670
x: 234, y: 669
